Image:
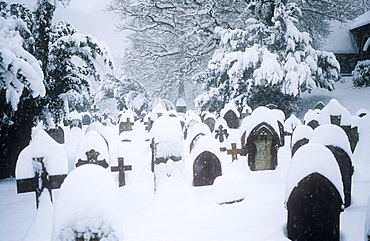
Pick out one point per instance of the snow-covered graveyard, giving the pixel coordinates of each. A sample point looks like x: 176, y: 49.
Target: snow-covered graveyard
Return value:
x: 181, y: 176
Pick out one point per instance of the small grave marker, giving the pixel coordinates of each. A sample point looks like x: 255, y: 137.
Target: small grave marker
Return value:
x: 233, y: 151
x: 221, y: 134
x: 121, y: 168
x: 92, y: 158
x: 125, y: 126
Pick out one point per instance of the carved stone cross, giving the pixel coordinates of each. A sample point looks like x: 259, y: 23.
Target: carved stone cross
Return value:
x: 92, y: 158
x: 121, y: 168
x: 221, y: 133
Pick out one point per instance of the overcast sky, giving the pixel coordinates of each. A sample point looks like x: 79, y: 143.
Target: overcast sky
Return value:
x: 88, y: 17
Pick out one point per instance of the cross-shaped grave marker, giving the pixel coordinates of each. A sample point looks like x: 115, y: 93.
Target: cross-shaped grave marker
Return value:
x: 125, y: 126
x: 92, y: 158
x: 148, y: 124
x: 233, y: 152
x: 220, y: 133
x: 95, y: 108
x: 121, y: 168
x: 40, y: 181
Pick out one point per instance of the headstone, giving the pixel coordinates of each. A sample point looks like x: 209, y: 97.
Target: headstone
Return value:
x: 247, y: 111
x: 125, y: 126
x: 92, y: 158
x: 190, y: 120
x: 234, y: 152
x: 148, y: 123
x: 228, y: 189
x: 320, y: 105
x: 88, y: 207
x: 300, y: 137
x: 221, y: 130
x: 121, y: 168
x: 280, y: 116
x: 262, y: 140
x: 314, y: 195
x: 42, y: 165
x: 198, y: 130
x: 291, y: 124
x: 231, y: 115
x: 210, y: 121
x: 86, y: 119
x: 75, y: 120
x: 57, y: 134
x: 206, y: 168
x: 335, y: 139
x: 311, y: 118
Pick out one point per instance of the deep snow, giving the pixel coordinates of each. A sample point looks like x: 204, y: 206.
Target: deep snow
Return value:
x: 179, y: 211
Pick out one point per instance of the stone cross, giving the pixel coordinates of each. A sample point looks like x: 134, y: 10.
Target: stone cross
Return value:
x: 148, y: 124
x: 92, y: 158
x: 121, y: 168
x: 233, y: 152
x: 221, y: 133
x: 95, y: 108
x: 40, y: 181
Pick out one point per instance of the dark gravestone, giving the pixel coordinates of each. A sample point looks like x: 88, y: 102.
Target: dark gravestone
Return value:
x: 282, y: 134
x: 314, y: 207
x: 42, y: 180
x: 352, y: 134
x: 195, y: 140
x: 335, y: 119
x: 346, y: 171
x: 92, y: 158
x: 221, y: 134
x: 231, y: 119
x: 210, y: 122
x: 319, y: 106
x: 206, y: 168
x: 125, y: 126
x: 75, y: 123
x: 121, y: 168
x: 262, y: 146
x: 57, y: 134
x: 86, y: 120
x: 148, y: 124
x: 313, y: 124
x: 299, y: 144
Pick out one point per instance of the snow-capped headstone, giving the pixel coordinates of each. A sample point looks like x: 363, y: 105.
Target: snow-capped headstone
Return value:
x: 86, y: 119
x: 210, y: 121
x: 41, y: 166
x: 311, y: 118
x: 198, y: 130
x: 126, y: 121
x: 320, y: 105
x: 335, y: 139
x: 157, y: 112
x: 75, y: 120
x: 314, y: 194
x: 57, y: 134
x: 280, y: 116
x: 190, y: 120
x: 88, y: 207
x: 291, y: 124
x: 300, y: 137
x: 92, y: 148
x: 262, y: 139
x: 231, y: 115
x: 206, y: 164
x: 222, y: 131
x: 229, y: 189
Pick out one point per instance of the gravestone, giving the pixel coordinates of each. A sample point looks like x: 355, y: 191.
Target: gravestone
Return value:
x: 206, y: 168
x: 335, y: 139
x: 121, y: 168
x: 231, y: 115
x: 181, y: 106
x: 311, y: 118
x: 75, y: 120
x: 126, y: 125
x: 92, y: 158
x: 221, y: 130
x: 198, y: 130
x: 57, y: 134
x: 280, y: 117
x: 314, y: 195
x: 42, y: 165
x: 300, y: 137
x: 86, y: 119
x: 234, y: 152
x: 291, y: 124
x: 148, y: 124
x: 88, y: 207
x: 190, y: 120
x: 320, y: 105
x: 247, y: 111
x: 210, y: 121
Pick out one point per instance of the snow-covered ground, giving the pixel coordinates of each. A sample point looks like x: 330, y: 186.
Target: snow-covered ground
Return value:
x: 179, y: 211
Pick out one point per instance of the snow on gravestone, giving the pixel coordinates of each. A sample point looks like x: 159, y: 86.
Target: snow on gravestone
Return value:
x: 41, y: 166
x: 126, y: 121
x: 301, y: 136
x: 334, y: 138
x: 280, y: 117
x: 206, y: 162
x: 229, y: 189
x: 167, y: 148
x: 291, y: 124
x: 262, y: 139
x: 198, y: 130
x: 57, y: 133
x: 222, y: 131
x: 75, y: 120
x: 231, y: 115
x: 314, y: 194
x: 88, y: 207
x: 92, y: 148
x: 210, y: 121
x: 190, y: 120
x: 311, y: 118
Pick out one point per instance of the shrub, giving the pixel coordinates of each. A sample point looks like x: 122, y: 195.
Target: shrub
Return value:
x: 361, y: 73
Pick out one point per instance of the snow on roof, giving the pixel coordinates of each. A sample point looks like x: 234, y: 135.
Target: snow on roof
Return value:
x: 230, y: 106
x: 291, y: 123
x: 181, y: 102
x: 167, y: 134
x: 311, y: 115
x: 92, y: 140
x: 331, y: 135
x: 74, y: 115
x: 340, y: 39
x: 88, y: 203
x: 301, y: 132
x: 42, y: 145
x: 361, y: 20
x: 334, y: 108
x: 262, y: 114
x: 206, y: 143
x: 199, y: 128
x: 309, y: 159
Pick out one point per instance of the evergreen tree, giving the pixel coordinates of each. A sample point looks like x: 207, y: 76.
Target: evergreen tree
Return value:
x: 265, y: 52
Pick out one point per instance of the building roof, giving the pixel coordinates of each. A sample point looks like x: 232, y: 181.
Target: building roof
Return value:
x: 340, y: 41
x: 360, y: 21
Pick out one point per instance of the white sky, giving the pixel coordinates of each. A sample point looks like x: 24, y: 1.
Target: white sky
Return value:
x: 88, y: 17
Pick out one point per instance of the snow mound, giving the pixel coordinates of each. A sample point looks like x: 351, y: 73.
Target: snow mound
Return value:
x: 262, y: 114
x: 292, y: 123
x: 92, y: 140
x: 42, y: 145
x: 157, y: 110
x: 309, y: 159
x: 311, y: 115
x: 334, y: 108
x: 230, y: 106
x: 167, y: 134
x: 301, y: 132
x: 229, y: 189
x: 74, y: 115
x: 331, y: 135
x: 88, y: 205
x: 199, y: 128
